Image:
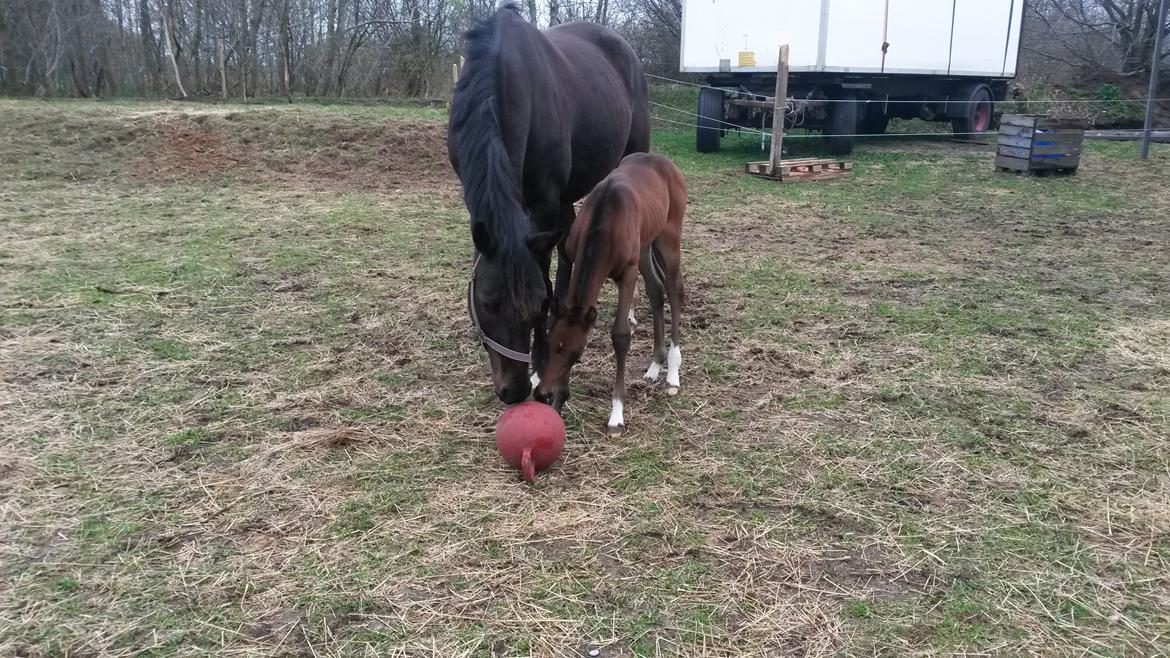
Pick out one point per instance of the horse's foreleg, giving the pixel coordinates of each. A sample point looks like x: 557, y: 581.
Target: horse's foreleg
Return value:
x: 621, y: 347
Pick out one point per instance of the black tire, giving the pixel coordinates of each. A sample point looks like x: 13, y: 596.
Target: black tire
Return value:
x: 874, y: 123
x: 841, y: 125
x: 709, y: 127
x: 978, y: 110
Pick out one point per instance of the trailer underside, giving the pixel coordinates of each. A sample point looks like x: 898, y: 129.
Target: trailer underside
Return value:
x: 845, y: 107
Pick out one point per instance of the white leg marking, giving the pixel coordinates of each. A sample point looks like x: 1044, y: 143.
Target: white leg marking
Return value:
x: 673, y: 363
x: 535, y: 379
x: 617, y: 419
x: 633, y: 320
x: 653, y: 371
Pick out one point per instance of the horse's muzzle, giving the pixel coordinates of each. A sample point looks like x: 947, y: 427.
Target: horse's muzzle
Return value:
x: 543, y: 397
x: 514, y: 393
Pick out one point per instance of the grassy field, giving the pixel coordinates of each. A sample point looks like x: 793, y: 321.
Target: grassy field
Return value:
x: 924, y: 411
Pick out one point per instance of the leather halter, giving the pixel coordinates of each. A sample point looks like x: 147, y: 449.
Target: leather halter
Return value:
x: 487, y: 340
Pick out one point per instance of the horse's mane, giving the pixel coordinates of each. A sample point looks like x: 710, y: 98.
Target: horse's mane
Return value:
x: 602, y: 200
x: 490, y: 186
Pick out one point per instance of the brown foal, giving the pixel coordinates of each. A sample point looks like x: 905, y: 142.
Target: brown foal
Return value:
x: 630, y: 223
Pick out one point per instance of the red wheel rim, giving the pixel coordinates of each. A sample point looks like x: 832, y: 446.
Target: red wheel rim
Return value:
x: 982, y: 116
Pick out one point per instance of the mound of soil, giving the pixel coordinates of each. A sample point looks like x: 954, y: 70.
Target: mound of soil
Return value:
x: 387, y: 154
x: 180, y: 150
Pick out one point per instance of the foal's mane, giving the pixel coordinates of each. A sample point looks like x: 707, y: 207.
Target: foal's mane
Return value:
x: 490, y: 186
x: 602, y: 202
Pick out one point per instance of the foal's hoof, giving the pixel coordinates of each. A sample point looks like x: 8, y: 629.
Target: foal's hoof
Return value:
x: 672, y: 391
x: 653, y: 372
x: 615, y: 430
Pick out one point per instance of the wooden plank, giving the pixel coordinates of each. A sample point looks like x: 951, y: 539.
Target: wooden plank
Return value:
x: 1066, y: 133
x: 1062, y: 162
x: 1014, y: 151
x: 796, y: 161
x: 1016, y: 130
x: 1018, y: 164
x: 1056, y: 148
x: 1021, y: 120
x: 1018, y: 142
x: 1042, y: 143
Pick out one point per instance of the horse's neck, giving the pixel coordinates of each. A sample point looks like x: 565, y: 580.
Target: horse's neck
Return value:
x: 596, y: 273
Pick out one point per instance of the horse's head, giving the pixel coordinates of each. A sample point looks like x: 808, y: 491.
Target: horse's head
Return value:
x: 508, y: 301
x: 566, y: 341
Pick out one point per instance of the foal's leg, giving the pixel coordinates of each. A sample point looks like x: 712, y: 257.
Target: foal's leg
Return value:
x: 539, y: 332
x: 560, y: 220
x: 671, y: 256
x: 654, y: 292
x: 621, y: 347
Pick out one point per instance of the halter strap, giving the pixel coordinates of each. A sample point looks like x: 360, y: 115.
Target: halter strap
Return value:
x: 491, y: 344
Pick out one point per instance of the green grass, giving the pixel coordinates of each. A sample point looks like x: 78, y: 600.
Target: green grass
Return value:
x: 923, y: 409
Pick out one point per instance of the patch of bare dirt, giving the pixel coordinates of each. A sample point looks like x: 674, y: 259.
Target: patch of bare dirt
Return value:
x: 390, y: 154
x: 393, y: 154
x: 181, y: 150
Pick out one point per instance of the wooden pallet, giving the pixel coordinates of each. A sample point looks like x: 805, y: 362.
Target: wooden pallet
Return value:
x: 1036, y: 172
x: 802, y: 169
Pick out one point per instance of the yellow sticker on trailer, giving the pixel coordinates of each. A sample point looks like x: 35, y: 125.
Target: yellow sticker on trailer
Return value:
x: 747, y: 58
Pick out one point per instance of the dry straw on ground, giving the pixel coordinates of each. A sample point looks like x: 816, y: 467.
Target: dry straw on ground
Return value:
x: 924, y: 411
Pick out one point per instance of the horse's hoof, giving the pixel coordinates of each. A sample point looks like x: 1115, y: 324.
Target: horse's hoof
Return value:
x: 653, y: 372
x: 672, y: 391
x: 615, y: 431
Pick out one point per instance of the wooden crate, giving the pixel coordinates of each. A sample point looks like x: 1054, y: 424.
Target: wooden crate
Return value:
x: 1032, y: 144
x: 802, y: 169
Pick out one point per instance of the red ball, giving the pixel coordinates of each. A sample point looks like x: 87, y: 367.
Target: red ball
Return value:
x: 530, y: 436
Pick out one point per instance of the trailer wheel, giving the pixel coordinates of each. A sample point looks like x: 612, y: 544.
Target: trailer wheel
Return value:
x: 841, y: 124
x: 709, y: 127
x: 976, y: 113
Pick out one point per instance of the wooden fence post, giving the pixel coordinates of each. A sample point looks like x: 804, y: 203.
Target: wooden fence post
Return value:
x: 778, y: 111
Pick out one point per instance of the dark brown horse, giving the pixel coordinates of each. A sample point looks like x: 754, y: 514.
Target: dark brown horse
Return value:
x: 630, y: 223
x: 537, y: 119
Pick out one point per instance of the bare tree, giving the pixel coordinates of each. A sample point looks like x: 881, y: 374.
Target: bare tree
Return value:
x: 172, y: 43
x: 1095, y: 36
x: 283, y: 48
x: 285, y: 55
x: 149, y: 46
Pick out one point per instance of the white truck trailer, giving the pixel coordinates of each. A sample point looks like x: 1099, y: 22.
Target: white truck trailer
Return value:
x: 854, y: 64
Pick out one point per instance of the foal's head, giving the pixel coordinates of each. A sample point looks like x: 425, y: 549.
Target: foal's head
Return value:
x: 566, y: 343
